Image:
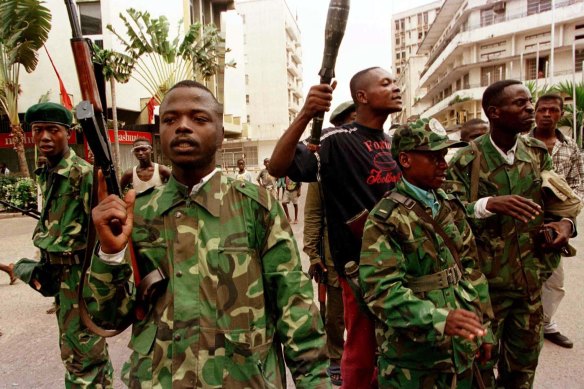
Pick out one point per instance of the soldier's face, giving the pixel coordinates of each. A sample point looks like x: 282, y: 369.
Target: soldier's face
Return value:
x: 51, y: 139
x: 547, y: 114
x: 190, y: 128
x: 473, y: 132
x: 515, y: 112
x: 381, y: 92
x: 424, y: 169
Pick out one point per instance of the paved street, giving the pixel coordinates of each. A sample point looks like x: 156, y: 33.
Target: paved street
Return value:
x: 29, y: 354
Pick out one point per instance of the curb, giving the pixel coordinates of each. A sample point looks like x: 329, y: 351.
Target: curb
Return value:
x: 10, y: 215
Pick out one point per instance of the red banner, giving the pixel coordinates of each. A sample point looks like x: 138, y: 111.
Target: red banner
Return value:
x: 125, y: 137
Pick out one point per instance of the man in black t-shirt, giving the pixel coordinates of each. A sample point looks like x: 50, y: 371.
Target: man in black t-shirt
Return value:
x: 355, y: 167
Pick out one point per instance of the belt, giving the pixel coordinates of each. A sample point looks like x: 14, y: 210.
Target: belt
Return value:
x: 441, y: 280
x: 67, y: 258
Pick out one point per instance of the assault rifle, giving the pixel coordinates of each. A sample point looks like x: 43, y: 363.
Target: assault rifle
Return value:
x: 28, y: 212
x: 90, y: 115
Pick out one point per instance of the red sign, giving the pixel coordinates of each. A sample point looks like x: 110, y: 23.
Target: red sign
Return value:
x: 128, y: 137
x: 125, y: 138
x: 7, y: 141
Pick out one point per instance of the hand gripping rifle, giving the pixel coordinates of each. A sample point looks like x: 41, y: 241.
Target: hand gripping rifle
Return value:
x: 336, y: 21
x: 90, y: 115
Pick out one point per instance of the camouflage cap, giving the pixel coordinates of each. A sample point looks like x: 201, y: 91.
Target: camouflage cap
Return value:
x: 424, y: 135
x: 49, y: 113
x: 341, y: 109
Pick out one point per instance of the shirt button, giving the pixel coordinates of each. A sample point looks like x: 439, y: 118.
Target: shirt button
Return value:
x: 176, y: 337
x: 178, y: 214
x: 179, y: 273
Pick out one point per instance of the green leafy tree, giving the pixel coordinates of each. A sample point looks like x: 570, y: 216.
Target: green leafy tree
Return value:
x: 160, y: 61
x: 565, y: 88
x: 117, y: 67
x: 24, y: 28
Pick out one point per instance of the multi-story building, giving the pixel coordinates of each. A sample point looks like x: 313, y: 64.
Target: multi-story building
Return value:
x: 273, y: 74
x: 132, y: 97
x: 408, y: 30
x: 473, y: 43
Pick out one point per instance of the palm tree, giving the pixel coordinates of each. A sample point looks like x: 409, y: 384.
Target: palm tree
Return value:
x: 160, y: 62
x: 24, y: 28
x: 565, y: 88
x: 117, y: 67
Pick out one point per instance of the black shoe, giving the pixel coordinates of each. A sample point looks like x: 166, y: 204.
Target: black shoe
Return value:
x: 559, y: 339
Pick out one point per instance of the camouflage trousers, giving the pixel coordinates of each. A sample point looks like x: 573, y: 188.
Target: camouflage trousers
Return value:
x: 84, y: 354
x: 518, y: 329
x: 391, y: 376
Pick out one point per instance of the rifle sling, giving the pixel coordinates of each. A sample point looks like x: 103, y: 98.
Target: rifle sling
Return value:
x: 414, y: 206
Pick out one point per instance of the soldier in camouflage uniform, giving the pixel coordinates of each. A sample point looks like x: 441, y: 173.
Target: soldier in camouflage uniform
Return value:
x: 237, y: 304
x: 433, y: 313
x: 60, y: 235
x: 505, y: 220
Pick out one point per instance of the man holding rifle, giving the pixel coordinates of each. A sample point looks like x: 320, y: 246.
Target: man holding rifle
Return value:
x: 236, y: 298
x: 60, y: 235
x: 356, y: 169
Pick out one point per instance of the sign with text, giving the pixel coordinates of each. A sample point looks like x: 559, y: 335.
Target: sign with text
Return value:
x: 7, y: 141
x: 128, y: 137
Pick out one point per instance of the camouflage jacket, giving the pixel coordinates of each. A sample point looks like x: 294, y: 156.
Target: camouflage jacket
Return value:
x: 236, y: 292
x: 398, y: 248
x: 63, y: 223
x: 508, y: 251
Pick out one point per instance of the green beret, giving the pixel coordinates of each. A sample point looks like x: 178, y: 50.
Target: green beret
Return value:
x: 49, y: 113
x: 341, y: 109
x: 424, y: 135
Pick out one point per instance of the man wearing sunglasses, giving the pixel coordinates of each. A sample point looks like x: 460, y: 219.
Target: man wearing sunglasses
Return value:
x: 147, y: 174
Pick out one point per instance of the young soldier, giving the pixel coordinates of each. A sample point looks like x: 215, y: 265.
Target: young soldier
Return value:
x: 147, y: 173
x: 60, y: 235
x: 505, y: 220
x: 472, y: 129
x: 237, y: 304
x: 431, y: 301
x: 569, y: 163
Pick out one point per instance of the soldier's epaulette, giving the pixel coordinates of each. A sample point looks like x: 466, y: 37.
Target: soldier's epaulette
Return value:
x: 532, y: 142
x: 254, y: 192
x: 384, y: 208
x: 463, y: 156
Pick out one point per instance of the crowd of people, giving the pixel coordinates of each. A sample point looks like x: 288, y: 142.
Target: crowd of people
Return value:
x: 437, y: 274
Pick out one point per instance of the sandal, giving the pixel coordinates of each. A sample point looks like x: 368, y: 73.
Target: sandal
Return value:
x: 334, y: 373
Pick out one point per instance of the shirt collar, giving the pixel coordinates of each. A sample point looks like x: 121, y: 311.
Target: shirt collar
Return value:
x: 204, y: 180
x: 427, y: 198
x: 508, y: 156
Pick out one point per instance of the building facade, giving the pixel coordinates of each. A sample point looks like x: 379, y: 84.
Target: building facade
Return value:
x: 273, y: 79
x: 473, y: 43
x: 408, y: 30
x: 132, y: 97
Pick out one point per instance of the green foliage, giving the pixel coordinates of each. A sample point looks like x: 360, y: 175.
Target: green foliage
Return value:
x: 24, y: 29
x: 457, y: 99
x: 161, y: 61
x: 115, y: 65
x: 19, y: 191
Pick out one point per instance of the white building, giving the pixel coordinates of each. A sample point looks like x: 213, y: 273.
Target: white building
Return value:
x: 473, y: 43
x: 273, y: 74
x: 408, y: 30
x: 132, y: 96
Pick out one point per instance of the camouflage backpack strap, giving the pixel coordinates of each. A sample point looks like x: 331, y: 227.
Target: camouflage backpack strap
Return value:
x: 475, y: 172
x: 415, y: 207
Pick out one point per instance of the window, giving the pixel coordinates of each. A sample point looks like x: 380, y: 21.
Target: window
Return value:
x: 466, y: 81
x: 419, y: 19
x: 397, y: 41
x: 247, y: 79
x: 420, y: 35
x: 490, y: 74
x: 579, y: 60
x: 247, y: 99
x: 534, y: 70
x: 537, y: 6
x: 489, y: 16
x: 90, y: 18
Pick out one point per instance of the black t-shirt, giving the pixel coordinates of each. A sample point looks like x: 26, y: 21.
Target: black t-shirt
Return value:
x: 356, y: 169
